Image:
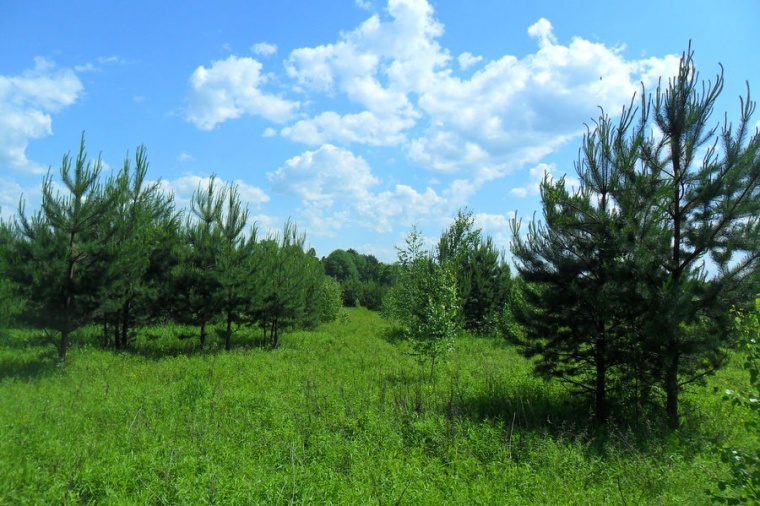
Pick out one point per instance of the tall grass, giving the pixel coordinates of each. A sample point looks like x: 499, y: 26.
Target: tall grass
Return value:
x: 340, y: 415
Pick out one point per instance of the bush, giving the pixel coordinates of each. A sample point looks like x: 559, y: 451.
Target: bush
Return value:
x: 744, y: 485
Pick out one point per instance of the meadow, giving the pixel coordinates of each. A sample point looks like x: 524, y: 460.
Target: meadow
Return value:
x: 338, y: 415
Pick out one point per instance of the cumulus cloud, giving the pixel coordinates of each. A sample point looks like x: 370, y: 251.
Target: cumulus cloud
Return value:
x: 467, y: 60
x: 389, y: 83
x: 322, y: 176
x: 264, y: 49
x: 230, y: 89
x: 364, y: 128
x: 10, y: 192
x: 336, y: 187
x: 185, y: 157
x: 27, y: 103
x: 535, y: 176
x: 375, y: 66
x: 182, y: 189
x: 513, y: 112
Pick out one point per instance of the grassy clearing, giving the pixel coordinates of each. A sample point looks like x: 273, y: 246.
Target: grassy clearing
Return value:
x: 340, y: 415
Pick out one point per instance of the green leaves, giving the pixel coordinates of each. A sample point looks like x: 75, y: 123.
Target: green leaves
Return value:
x: 424, y: 304
x: 744, y: 485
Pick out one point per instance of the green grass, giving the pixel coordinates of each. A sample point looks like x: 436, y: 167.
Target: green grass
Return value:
x: 340, y: 415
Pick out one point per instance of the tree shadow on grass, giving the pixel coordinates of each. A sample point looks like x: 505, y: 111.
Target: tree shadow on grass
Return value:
x: 529, y: 410
x: 28, y: 357
x: 155, y: 346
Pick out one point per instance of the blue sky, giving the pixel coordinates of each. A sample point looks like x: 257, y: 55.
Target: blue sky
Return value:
x: 355, y: 118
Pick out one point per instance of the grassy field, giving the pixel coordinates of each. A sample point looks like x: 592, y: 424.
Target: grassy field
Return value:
x: 340, y: 415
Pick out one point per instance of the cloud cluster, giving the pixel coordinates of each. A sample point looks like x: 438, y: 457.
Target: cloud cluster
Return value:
x: 230, y: 89
x: 401, y: 91
x: 27, y: 103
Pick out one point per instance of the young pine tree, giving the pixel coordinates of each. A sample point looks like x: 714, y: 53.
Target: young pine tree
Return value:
x: 61, y: 260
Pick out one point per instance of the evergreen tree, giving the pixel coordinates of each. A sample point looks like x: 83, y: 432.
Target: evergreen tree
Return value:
x: 577, y: 292
x: 10, y: 304
x: 707, y: 203
x: 283, y: 283
x: 482, y: 275
x: 638, y: 267
x: 197, y: 280
x: 236, y: 264
x: 142, y: 216
x: 61, y: 260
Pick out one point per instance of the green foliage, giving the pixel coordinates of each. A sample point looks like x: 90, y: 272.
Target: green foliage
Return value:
x: 144, y: 219
x: 10, y: 303
x: 62, y: 258
x: 363, y: 279
x: 631, y: 246
x: 329, y: 299
x: 743, y: 487
x: 340, y: 265
x: 288, y: 283
x: 482, y: 275
x: 424, y: 303
x: 578, y: 298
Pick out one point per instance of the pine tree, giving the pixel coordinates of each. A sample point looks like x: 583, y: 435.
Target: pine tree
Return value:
x: 196, y: 277
x: 62, y: 258
x: 283, y: 283
x: 236, y: 264
x: 636, y: 270
x: 142, y: 216
x: 707, y: 202
x: 578, y: 294
x: 481, y: 272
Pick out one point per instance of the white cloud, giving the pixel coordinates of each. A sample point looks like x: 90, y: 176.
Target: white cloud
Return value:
x: 376, y: 66
x: 269, y: 132
x: 325, y: 175
x: 185, y: 157
x: 543, y: 31
x: 389, y: 83
x: 183, y: 188
x: 27, y: 103
x: 324, y: 179
x: 251, y: 195
x: 364, y: 128
x: 264, y: 49
x: 336, y: 188
x: 493, y: 222
x: 535, y: 176
x: 467, y: 60
x: 231, y: 88
x: 514, y: 111
x: 96, y: 65
x: 10, y: 192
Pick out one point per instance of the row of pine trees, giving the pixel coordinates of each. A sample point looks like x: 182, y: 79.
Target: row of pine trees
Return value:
x: 116, y: 252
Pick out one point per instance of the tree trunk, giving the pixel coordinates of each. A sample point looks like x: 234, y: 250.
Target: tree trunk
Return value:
x: 671, y: 386
x: 228, y: 333
x: 601, y: 381
x: 124, y: 326
x: 106, y: 341
x: 62, y: 345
